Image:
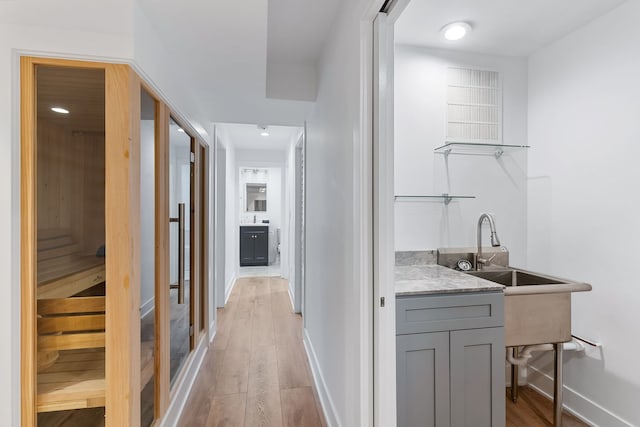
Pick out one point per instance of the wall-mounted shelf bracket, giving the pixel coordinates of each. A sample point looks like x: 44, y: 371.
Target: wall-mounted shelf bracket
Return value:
x: 472, y: 148
x: 445, y: 197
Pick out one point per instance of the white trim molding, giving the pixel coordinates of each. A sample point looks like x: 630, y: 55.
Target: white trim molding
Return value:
x: 328, y: 407
x: 212, y: 330
x: 575, y: 403
x: 229, y: 288
x: 182, y: 387
x: 291, y: 297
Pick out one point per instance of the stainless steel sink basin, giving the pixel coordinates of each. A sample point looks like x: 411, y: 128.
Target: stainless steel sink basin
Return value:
x: 537, y: 307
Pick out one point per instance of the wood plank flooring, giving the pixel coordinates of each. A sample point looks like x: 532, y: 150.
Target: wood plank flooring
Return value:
x: 255, y: 373
x: 535, y: 410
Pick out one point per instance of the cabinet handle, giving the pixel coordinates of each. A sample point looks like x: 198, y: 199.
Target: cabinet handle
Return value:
x: 181, y: 242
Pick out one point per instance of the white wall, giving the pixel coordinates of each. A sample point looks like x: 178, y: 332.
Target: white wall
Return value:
x: 157, y: 65
x: 220, y: 191
x: 584, y: 105
x: 333, y: 311
x: 232, y: 233
x: 500, y: 185
x: 289, y: 232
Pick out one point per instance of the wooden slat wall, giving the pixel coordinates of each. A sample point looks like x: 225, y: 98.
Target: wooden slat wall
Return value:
x: 71, y: 341
x: 70, y: 172
x: 93, y: 208
x: 123, y: 266
x: 91, y: 322
x: 71, y: 305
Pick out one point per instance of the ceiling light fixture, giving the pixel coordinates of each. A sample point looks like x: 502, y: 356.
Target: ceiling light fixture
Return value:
x: 263, y: 130
x: 455, y: 30
x: 181, y: 130
x: 60, y: 110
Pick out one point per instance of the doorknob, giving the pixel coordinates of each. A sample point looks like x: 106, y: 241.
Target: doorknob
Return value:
x: 181, y: 242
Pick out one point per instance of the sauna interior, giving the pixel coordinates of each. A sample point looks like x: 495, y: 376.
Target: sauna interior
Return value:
x: 71, y: 253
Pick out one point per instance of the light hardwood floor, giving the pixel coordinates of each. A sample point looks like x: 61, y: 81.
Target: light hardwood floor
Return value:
x: 255, y: 373
x: 535, y: 410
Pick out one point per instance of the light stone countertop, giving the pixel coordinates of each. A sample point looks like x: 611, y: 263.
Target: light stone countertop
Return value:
x: 436, y: 279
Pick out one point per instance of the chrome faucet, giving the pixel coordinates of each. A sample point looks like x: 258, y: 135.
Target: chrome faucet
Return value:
x: 495, y: 241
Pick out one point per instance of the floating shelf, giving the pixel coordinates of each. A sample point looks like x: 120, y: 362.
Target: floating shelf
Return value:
x: 446, y: 198
x: 496, y: 150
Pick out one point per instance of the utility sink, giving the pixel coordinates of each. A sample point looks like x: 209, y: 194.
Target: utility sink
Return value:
x: 537, y: 307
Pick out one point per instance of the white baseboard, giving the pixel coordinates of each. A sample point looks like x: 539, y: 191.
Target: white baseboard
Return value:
x: 575, y: 403
x: 228, y: 288
x: 212, y: 331
x: 329, y: 409
x: 147, y: 307
x: 293, y: 304
x: 183, y: 385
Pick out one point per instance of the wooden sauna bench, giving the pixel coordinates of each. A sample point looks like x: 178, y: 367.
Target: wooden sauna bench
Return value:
x: 62, y: 271
x: 71, y: 337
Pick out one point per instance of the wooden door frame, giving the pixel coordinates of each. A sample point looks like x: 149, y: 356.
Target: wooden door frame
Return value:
x: 161, y: 253
x: 122, y: 184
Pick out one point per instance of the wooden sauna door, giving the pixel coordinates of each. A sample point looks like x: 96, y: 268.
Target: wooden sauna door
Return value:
x: 79, y: 256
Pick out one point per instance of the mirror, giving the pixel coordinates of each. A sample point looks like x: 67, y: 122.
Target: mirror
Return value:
x: 256, y: 197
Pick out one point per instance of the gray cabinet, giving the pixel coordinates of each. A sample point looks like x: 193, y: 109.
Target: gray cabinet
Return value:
x: 423, y: 379
x: 254, y: 245
x: 450, y: 360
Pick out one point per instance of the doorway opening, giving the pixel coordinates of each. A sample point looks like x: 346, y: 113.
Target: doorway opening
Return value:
x: 259, y: 207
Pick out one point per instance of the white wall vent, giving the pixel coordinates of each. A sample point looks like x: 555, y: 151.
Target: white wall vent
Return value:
x: 474, y: 106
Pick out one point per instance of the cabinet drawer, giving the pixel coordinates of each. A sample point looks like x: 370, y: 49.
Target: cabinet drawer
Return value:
x: 432, y: 313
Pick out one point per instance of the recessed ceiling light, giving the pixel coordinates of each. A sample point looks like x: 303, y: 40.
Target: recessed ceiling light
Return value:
x: 181, y: 130
x: 263, y: 130
x: 60, y: 110
x: 455, y: 30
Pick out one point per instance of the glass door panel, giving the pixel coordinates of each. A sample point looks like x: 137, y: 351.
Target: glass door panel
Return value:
x: 147, y: 258
x: 71, y: 254
x: 180, y: 244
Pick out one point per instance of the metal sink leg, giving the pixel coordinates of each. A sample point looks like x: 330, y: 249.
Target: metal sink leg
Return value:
x: 514, y: 378
x: 557, y: 389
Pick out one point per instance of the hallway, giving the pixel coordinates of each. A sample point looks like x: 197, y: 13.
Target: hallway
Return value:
x: 255, y: 372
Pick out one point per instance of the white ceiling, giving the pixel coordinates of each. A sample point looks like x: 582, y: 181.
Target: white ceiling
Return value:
x: 298, y: 28
x: 501, y: 27
x: 247, y: 137
x: 222, y: 45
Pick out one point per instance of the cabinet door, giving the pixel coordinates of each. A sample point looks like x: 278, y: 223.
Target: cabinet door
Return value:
x: 261, y: 248
x: 247, y: 243
x: 477, y: 378
x: 422, y: 365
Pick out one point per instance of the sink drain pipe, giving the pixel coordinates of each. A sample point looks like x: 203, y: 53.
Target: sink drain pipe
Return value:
x: 520, y: 359
x: 524, y: 354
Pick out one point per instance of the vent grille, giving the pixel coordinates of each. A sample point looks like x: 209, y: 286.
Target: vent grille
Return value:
x: 474, y: 111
